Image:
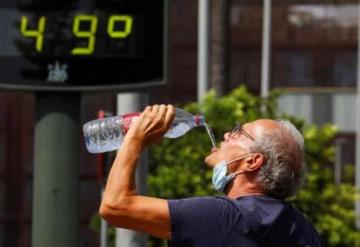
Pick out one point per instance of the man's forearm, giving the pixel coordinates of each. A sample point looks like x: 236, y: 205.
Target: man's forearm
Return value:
x: 121, y: 180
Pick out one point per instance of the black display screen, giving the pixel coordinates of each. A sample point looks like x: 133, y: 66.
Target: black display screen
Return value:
x: 82, y: 44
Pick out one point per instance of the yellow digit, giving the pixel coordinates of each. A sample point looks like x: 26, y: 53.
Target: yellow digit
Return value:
x: 90, y: 34
x: 120, y: 34
x: 37, y: 34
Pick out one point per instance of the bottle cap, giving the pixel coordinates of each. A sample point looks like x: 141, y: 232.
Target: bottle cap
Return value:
x: 198, y: 119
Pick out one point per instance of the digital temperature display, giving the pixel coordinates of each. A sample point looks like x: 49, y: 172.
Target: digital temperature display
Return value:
x: 82, y: 33
x: 82, y: 44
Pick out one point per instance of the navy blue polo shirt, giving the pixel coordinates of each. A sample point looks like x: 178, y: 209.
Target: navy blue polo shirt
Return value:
x: 246, y: 221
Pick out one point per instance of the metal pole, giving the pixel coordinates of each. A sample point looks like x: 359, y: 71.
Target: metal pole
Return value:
x: 265, y: 56
x: 133, y: 102
x: 203, y: 48
x: 357, y: 167
x: 338, y: 162
x: 103, y: 230
x: 55, y: 191
x: 102, y: 158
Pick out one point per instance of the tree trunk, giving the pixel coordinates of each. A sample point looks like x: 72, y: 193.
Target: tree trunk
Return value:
x: 220, y: 39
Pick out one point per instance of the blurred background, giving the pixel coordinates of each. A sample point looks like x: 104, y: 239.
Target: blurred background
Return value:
x: 305, y: 63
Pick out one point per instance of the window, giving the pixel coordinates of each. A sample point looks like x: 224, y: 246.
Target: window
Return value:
x: 313, y: 44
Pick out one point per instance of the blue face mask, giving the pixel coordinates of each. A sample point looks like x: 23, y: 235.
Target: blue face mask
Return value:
x: 219, y: 177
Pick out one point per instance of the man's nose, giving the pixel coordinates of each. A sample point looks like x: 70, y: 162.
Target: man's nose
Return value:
x: 227, y: 136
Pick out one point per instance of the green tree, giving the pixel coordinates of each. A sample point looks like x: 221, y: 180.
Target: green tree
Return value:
x: 177, y: 169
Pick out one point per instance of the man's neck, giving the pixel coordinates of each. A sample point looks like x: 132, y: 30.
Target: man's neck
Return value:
x: 240, y: 187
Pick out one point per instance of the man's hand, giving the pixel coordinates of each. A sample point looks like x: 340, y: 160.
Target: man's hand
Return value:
x: 152, y: 124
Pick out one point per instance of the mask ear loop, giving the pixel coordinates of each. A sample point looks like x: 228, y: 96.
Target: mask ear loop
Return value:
x: 240, y: 158
x: 232, y: 175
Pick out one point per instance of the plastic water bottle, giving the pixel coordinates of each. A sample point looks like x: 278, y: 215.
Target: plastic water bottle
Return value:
x: 106, y: 134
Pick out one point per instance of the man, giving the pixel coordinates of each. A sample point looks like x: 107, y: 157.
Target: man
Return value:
x: 256, y: 167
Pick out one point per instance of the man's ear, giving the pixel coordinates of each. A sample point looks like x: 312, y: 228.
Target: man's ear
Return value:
x: 254, y: 162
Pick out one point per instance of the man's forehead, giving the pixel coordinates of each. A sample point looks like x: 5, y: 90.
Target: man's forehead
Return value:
x: 260, y: 125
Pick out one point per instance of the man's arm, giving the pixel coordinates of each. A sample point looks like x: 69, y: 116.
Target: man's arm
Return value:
x: 121, y: 206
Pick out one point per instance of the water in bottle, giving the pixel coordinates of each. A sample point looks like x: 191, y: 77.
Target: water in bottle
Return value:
x: 104, y: 135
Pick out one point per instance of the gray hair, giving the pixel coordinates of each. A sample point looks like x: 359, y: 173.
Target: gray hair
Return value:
x: 282, y: 174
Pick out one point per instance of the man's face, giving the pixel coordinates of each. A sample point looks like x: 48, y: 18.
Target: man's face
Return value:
x: 236, y: 143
